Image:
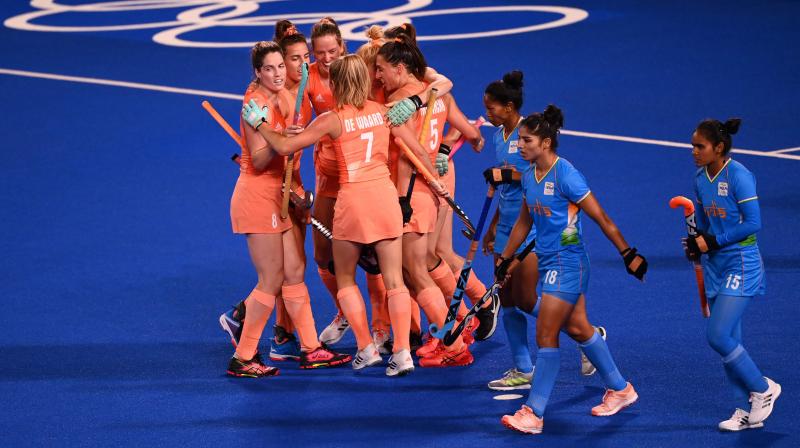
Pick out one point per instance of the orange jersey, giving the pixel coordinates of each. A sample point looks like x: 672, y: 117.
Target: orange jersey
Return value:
x: 276, y: 123
x: 415, y: 120
x: 318, y: 91
x: 362, y: 150
x: 435, y: 130
x: 303, y: 119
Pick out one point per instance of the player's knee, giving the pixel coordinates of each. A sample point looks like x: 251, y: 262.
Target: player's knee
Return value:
x: 720, y: 342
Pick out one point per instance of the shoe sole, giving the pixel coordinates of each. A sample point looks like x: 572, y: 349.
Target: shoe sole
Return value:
x: 223, y: 322
x: 403, y: 372
x: 507, y: 388
x: 374, y: 362
x: 754, y: 426
x: 616, y: 410
x: 448, y: 365
x: 243, y: 375
x: 284, y: 358
x: 772, y: 406
x: 524, y: 431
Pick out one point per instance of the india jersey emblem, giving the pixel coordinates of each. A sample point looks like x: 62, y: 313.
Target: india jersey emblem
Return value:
x: 722, y: 189
x: 548, y: 188
x: 512, y: 147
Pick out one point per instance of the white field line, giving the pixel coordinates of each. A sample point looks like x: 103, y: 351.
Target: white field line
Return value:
x: 780, y: 154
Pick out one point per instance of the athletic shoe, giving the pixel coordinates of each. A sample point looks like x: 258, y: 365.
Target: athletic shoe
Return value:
x: 468, y: 335
x: 587, y: 368
x: 524, y: 420
x: 383, y: 341
x: 253, y: 368
x: 232, y: 322
x: 614, y: 401
x: 444, y: 358
x: 323, y: 357
x: 487, y: 318
x: 761, y: 403
x: 400, y: 364
x: 367, y: 357
x: 512, y: 380
x: 428, y: 347
x: 415, y: 340
x: 739, y: 421
x: 335, y: 331
x: 284, y: 346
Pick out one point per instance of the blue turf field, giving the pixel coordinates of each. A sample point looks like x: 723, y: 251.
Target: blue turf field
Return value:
x: 117, y: 255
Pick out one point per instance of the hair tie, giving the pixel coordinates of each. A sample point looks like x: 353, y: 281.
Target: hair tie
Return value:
x: 292, y: 30
x: 377, y: 42
x: 404, y: 27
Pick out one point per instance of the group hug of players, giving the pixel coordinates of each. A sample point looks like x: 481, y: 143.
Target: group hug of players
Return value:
x: 384, y: 183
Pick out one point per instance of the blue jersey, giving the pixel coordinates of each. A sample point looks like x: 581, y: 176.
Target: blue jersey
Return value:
x: 552, y: 202
x: 507, y: 154
x: 720, y: 201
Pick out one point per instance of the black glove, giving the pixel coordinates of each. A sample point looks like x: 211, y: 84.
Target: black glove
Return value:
x: 702, y: 243
x: 405, y: 207
x: 635, y: 264
x: 497, y: 176
x: 417, y: 101
x: 501, y: 270
x: 691, y: 254
x: 444, y: 149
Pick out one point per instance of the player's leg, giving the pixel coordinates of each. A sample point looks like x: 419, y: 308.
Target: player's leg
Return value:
x: 390, y: 256
x: 323, y: 256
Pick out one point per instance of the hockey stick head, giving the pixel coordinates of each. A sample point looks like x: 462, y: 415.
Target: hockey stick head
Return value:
x: 682, y: 201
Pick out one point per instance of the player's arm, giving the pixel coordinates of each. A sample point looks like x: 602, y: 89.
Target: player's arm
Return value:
x: 261, y: 152
x: 519, y: 232
x: 457, y: 119
x: 491, y: 234
x: 437, y: 81
x: 325, y: 124
x: 405, y: 134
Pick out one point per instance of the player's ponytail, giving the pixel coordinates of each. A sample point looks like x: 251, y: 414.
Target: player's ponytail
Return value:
x: 401, y: 50
x: 545, y: 124
x: 509, y: 90
x: 717, y: 132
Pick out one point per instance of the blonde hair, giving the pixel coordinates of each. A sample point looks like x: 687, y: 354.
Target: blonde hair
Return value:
x: 350, y: 80
x: 369, y: 51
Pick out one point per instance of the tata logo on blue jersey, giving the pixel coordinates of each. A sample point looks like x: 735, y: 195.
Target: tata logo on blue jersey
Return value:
x: 715, y: 212
x: 542, y: 210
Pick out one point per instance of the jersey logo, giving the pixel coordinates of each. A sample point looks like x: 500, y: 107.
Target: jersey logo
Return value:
x: 548, y: 188
x: 540, y: 209
x: 722, y: 189
x: 512, y: 147
x: 715, y: 212
x: 320, y: 98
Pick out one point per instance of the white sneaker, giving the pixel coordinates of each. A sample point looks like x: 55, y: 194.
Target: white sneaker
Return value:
x: 367, y: 357
x: 383, y: 341
x: 335, y: 331
x: 587, y: 368
x: 761, y: 403
x: 400, y: 364
x: 738, y: 421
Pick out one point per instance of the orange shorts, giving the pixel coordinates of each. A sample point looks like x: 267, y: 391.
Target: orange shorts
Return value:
x: 256, y: 206
x: 426, y: 207
x: 366, y: 212
x: 327, y: 186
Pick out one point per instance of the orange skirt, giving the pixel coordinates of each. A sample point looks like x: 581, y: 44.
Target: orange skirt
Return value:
x: 366, y: 212
x: 426, y: 207
x: 326, y: 169
x: 256, y: 206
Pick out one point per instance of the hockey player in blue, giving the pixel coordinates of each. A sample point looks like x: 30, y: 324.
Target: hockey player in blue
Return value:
x: 728, y: 218
x: 554, y: 194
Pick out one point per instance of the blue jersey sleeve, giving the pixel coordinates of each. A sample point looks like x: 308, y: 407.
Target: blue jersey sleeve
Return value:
x: 744, y: 190
x: 744, y: 187
x: 574, y: 186
x: 700, y: 218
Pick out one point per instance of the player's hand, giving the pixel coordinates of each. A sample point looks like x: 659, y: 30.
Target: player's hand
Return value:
x: 254, y: 114
x: 501, y: 270
x: 398, y: 114
x: 635, y: 264
x: 405, y: 207
x: 691, y: 254
x: 477, y: 144
x: 702, y: 243
x: 293, y: 130
x: 439, y: 188
x: 442, y: 159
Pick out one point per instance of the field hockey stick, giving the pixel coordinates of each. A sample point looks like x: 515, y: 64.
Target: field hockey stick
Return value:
x: 691, y: 228
x: 466, y: 269
x: 453, y: 334
x: 224, y: 124
x: 460, y: 142
x: 287, y: 176
x: 429, y: 177
x: 423, y: 135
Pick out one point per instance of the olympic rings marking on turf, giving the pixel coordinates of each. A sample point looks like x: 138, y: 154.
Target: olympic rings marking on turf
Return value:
x: 207, y: 14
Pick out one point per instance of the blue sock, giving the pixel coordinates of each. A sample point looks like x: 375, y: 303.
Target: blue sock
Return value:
x: 741, y: 365
x: 740, y: 392
x: 597, y: 351
x: 516, y: 326
x: 548, y: 362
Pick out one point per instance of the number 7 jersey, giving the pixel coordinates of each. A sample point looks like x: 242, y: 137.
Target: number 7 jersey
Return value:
x: 362, y: 150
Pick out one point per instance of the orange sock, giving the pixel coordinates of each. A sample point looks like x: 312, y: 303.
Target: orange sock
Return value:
x: 377, y: 298
x: 330, y: 282
x: 476, y: 289
x: 430, y: 300
x: 282, y: 318
x: 356, y: 313
x: 444, y: 278
x: 298, y: 305
x: 399, y: 308
x: 259, y: 307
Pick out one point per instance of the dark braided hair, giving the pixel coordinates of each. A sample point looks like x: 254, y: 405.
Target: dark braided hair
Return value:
x: 509, y: 90
x: 717, y: 132
x: 545, y: 124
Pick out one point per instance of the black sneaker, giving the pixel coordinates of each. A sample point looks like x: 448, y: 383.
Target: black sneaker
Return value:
x: 323, y: 357
x: 488, y: 320
x: 232, y: 322
x: 416, y: 340
x: 254, y: 368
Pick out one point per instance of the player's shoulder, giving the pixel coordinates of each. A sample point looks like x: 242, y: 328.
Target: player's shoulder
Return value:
x: 737, y: 168
x: 565, y: 167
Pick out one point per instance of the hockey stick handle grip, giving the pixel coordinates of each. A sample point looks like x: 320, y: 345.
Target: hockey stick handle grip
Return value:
x: 460, y: 142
